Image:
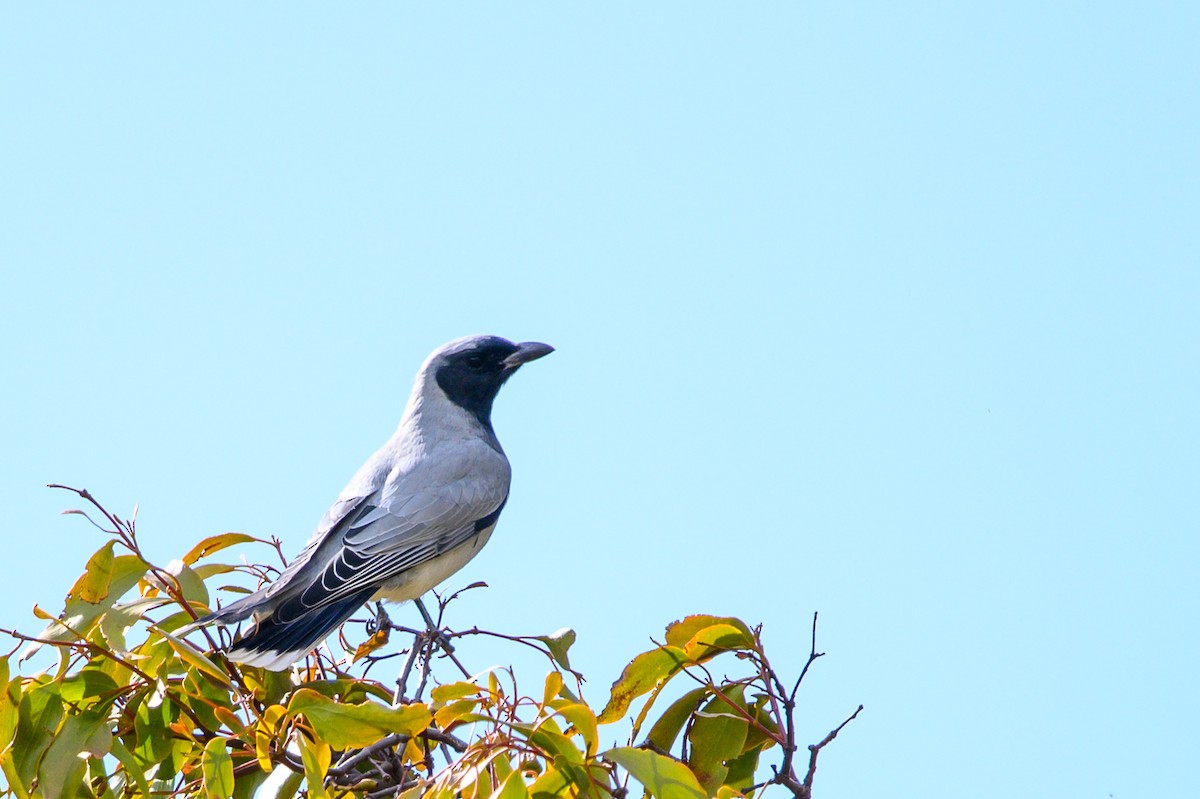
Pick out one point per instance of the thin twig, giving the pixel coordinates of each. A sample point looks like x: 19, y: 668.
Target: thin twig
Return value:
x: 815, y: 749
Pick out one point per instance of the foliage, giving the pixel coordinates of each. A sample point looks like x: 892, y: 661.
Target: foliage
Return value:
x: 139, y: 704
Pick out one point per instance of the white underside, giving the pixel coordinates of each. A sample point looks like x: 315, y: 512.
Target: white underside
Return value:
x: 428, y: 575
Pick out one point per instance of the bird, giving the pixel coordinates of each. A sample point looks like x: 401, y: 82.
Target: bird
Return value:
x: 413, y: 514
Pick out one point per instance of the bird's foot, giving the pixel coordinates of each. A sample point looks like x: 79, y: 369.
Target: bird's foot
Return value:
x: 381, y: 620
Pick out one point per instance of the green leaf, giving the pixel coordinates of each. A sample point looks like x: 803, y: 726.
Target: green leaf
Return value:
x: 666, y: 729
x: 662, y: 777
x: 248, y: 784
x: 512, y: 788
x: 215, y: 543
x: 206, y: 570
x: 62, y: 769
x: 346, y: 725
x: 134, y: 771
x: 197, y: 659
x: 193, y: 588
x: 151, y: 724
x: 41, y: 712
x: 346, y: 690
x: 557, y: 745
x: 558, y: 643
x: 581, y: 718
x: 92, y: 586
x: 88, y: 683
x: 716, y: 735
x: 316, y: 757
x: 217, y: 768
x: 740, y: 775
x: 641, y: 676
x: 459, y: 710
x: 10, y: 702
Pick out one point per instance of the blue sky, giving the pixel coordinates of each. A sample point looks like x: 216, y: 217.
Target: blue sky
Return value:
x: 887, y: 311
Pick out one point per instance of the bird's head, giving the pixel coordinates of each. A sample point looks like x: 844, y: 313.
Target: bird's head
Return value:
x: 470, y: 371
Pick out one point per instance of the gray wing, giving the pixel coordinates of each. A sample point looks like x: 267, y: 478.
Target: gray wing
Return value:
x: 411, y: 516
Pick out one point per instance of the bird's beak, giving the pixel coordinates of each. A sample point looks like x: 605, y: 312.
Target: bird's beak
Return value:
x: 526, y: 351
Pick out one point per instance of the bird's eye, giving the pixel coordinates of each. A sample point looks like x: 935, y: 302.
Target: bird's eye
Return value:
x: 474, y: 361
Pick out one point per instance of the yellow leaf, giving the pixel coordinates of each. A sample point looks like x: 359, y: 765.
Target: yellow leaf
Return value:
x: 265, y: 732
x: 554, y: 684
x: 215, y: 543
x: 708, y: 642
x: 453, y: 690
x: 680, y: 632
x: 368, y: 646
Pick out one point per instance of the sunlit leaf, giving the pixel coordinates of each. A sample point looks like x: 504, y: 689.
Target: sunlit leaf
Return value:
x: 708, y: 642
x: 215, y: 543
x: 662, y: 777
x: 92, y: 586
x: 190, y: 583
x: 346, y: 725
x: 79, y: 617
x: 545, y: 737
x: 152, y: 723
x: 641, y: 676
x: 679, y: 633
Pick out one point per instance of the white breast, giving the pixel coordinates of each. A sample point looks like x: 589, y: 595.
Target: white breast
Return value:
x: 421, y: 578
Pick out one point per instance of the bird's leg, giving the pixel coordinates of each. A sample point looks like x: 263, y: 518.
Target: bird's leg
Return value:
x: 382, y: 620
x: 434, y: 632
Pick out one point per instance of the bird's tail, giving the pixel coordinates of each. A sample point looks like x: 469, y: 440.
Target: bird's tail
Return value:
x: 231, y: 614
x: 290, y: 631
